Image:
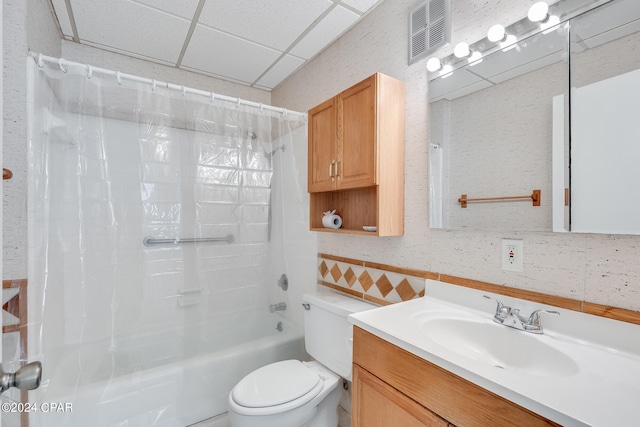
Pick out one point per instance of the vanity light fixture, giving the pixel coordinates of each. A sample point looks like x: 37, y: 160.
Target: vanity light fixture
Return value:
x: 552, y: 21
x: 497, y: 33
x: 540, y: 18
x: 447, y: 70
x: 509, y: 43
x: 475, y: 58
x: 434, y: 64
x: 462, y: 51
x: 539, y: 12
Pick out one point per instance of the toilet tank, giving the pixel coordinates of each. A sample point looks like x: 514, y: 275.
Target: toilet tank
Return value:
x: 328, y: 335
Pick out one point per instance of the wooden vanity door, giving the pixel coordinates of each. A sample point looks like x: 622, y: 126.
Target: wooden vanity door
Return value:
x: 357, y: 148
x: 380, y: 405
x: 322, y: 146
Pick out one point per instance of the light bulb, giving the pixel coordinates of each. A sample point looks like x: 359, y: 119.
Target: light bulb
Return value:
x: 496, y: 33
x: 538, y: 12
x: 475, y: 58
x: 551, y: 22
x: 447, y: 70
x: 509, y: 43
x: 433, y: 64
x: 461, y: 50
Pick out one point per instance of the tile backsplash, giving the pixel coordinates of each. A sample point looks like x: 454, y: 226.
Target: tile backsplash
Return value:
x: 377, y: 283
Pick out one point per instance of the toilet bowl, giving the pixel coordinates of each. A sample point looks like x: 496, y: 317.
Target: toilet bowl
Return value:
x: 292, y: 393
x: 288, y: 393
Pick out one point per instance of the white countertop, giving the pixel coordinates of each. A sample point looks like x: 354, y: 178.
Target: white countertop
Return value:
x: 601, y: 389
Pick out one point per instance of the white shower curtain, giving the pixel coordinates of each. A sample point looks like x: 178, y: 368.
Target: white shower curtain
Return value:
x: 113, y: 161
x: 435, y: 185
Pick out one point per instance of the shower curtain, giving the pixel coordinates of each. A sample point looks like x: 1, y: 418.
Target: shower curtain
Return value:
x: 123, y: 177
x: 435, y: 185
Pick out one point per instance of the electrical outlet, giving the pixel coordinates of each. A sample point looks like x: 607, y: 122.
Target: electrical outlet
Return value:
x: 512, y: 255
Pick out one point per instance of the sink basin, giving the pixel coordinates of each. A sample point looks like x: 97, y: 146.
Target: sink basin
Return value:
x: 500, y: 346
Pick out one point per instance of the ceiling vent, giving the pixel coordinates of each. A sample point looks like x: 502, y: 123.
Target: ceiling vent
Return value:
x: 429, y: 28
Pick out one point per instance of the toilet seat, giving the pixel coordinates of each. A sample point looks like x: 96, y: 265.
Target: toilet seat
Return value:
x: 275, y: 388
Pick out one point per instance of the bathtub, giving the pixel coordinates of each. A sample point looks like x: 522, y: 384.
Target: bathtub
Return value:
x: 145, y: 381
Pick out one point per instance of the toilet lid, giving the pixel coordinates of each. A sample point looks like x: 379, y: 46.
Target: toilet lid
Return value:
x: 275, y: 384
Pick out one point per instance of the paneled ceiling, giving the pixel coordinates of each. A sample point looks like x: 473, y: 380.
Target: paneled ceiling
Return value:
x: 258, y: 43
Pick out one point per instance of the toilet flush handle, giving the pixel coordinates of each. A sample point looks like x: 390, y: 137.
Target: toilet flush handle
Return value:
x: 306, y: 306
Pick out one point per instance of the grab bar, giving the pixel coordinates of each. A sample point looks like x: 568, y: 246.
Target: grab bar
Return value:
x: 150, y: 241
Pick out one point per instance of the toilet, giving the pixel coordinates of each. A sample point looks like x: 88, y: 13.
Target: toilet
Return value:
x: 292, y: 393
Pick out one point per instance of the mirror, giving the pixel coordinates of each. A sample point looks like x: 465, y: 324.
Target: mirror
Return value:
x: 605, y: 119
x: 499, y: 128
x: 490, y: 129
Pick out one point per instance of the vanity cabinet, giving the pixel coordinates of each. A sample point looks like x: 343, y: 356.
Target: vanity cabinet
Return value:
x: 379, y: 404
x: 391, y: 382
x: 356, y: 157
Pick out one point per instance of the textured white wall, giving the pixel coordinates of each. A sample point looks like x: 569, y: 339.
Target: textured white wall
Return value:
x: 596, y: 268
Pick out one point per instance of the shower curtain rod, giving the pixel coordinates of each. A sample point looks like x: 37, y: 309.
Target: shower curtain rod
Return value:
x: 61, y: 62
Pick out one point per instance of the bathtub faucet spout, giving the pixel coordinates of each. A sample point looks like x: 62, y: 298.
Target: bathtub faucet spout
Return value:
x: 281, y: 306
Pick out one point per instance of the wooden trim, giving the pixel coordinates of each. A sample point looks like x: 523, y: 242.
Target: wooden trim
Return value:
x: 341, y: 289
x: 341, y: 259
x: 10, y: 328
x: 541, y: 298
x: 403, y: 270
x: 390, y: 136
x: 612, y: 312
x: 377, y: 300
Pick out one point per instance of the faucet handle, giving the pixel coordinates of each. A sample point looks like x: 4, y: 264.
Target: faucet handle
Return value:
x: 502, y: 311
x: 534, y: 319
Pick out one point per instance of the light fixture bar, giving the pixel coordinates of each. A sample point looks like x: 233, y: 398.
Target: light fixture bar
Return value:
x: 555, y: 14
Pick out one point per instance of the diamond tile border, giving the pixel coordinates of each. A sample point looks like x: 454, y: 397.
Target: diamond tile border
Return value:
x: 378, y: 283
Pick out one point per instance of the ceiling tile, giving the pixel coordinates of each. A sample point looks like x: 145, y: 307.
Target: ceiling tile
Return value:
x: 63, y: 17
x: 261, y: 22
x: 140, y: 30
x: 224, y: 55
x: 361, y: 5
x: 327, y: 30
x: 281, y: 70
x: 182, y: 8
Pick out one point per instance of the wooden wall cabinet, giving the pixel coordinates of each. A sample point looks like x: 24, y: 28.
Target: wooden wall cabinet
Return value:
x: 391, y: 382
x: 356, y: 157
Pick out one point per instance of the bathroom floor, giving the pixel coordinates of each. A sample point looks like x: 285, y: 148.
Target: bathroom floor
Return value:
x: 219, y: 421
x: 344, y: 416
x: 223, y: 420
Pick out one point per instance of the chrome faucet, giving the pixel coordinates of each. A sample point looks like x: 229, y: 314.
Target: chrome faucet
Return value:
x: 281, y: 306
x: 511, y: 317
